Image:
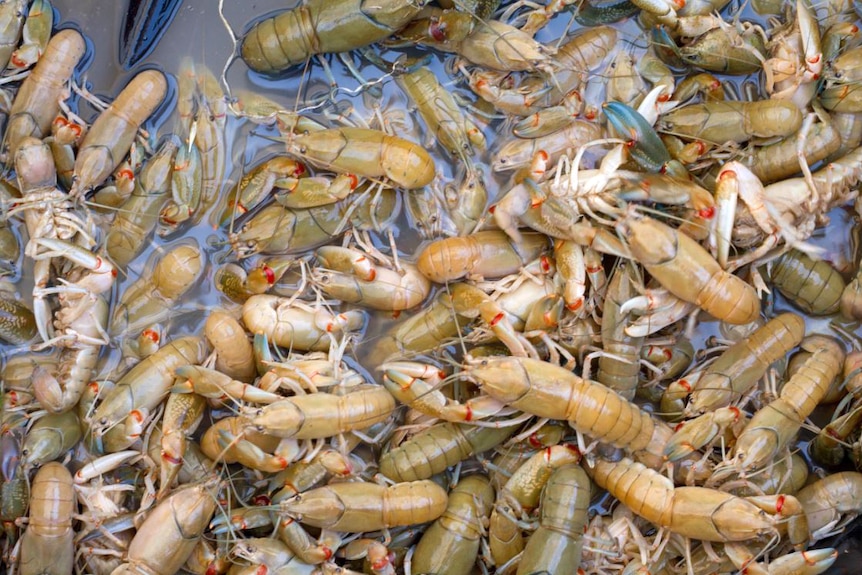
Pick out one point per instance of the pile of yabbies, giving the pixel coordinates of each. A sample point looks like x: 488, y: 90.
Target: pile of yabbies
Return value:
x: 493, y: 410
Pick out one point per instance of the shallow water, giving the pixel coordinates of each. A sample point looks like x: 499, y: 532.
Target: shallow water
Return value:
x: 198, y: 32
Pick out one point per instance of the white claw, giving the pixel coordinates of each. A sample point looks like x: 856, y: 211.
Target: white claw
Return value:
x: 54, y: 248
x: 650, y: 107
x: 810, y: 562
x: 103, y: 465
x: 726, y: 194
x: 42, y: 314
x: 651, y: 300
x: 102, y: 271
x: 653, y: 322
x: 639, y: 303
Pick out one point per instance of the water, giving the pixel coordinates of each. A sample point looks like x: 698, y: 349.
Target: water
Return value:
x: 198, y: 32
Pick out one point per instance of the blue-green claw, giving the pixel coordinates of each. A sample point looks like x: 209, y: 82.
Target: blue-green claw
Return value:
x: 597, y: 12
x: 666, y: 47
x: 646, y: 147
x: 262, y: 353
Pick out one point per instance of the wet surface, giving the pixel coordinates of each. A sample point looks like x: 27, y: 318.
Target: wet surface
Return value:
x: 197, y: 31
